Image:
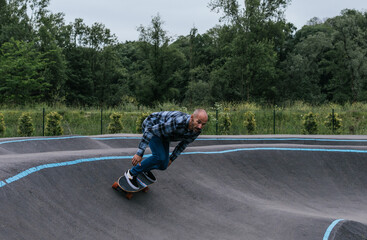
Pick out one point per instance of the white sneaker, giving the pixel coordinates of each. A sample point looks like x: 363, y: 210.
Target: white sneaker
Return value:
x: 132, y: 180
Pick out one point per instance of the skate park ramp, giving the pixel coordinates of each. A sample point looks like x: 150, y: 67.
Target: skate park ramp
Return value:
x: 223, y: 187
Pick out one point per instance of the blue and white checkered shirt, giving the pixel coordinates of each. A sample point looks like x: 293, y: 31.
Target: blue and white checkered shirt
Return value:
x: 168, y: 125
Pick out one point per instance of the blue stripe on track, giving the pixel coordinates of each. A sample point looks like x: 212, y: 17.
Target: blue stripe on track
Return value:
x: 285, y: 139
x: 40, y: 139
x: 198, y: 139
x: 114, y: 138
x: 330, y: 228
x: 54, y: 165
x: 250, y: 139
x: 282, y: 149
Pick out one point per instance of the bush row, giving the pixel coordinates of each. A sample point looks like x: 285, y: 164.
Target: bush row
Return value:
x: 131, y: 122
x: 25, y: 126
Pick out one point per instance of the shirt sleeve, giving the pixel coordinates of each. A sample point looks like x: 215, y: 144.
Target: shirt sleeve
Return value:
x: 147, y: 135
x: 180, y: 148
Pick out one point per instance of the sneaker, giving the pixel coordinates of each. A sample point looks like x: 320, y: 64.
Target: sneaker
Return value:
x: 132, y: 180
x: 149, y: 175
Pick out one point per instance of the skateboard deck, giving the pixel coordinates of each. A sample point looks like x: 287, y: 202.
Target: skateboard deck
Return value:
x: 122, y: 185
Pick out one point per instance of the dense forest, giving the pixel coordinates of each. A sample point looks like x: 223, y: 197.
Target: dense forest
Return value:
x: 254, y: 55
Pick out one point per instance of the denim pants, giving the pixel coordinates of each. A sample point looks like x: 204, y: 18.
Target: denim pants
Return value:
x: 159, y: 158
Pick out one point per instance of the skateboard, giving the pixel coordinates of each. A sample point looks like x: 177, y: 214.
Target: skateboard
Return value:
x: 122, y: 185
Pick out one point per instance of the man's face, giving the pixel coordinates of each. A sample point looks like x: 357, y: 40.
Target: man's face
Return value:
x: 198, y: 122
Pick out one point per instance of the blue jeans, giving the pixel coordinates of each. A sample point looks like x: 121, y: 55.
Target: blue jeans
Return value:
x: 158, y: 160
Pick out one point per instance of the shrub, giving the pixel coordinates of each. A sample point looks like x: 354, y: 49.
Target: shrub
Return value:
x: 250, y: 122
x: 309, y: 124
x: 115, y: 125
x: 53, y: 124
x: 140, y: 120
x: 25, y: 125
x: 337, y: 122
x: 225, y: 122
x: 2, y: 124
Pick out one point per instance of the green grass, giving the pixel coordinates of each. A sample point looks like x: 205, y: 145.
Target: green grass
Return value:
x: 288, y: 119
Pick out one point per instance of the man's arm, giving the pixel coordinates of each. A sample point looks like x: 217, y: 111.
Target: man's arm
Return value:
x: 147, y: 135
x: 179, y: 149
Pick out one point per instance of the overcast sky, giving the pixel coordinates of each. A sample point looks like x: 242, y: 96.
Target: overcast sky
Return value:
x: 123, y: 17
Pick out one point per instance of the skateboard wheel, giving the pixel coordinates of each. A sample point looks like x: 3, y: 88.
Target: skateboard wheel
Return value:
x: 115, y: 185
x: 129, y: 196
x: 146, y: 189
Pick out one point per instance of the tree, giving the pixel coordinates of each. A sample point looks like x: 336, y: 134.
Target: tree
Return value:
x: 249, y: 122
x: 154, y: 82
x: 200, y: 55
x: 328, y: 61
x: 21, y: 74
x: 53, y: 124
x: 349, y: 57
x: 251, y: 66
x: 2, y: 125
x: 93, y: 67
x: 129, y: 59
x: 115, y: 125
x: 198, y: 93
x: 14, y: 21
x: 111, y: 84
x: 25, y: 125
x: 306, y: 67
x: 79, y: 84
x: 310, y: 125
x: 50, y: 43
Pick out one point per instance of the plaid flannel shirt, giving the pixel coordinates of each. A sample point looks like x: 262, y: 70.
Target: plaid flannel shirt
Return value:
x: 168, y: 125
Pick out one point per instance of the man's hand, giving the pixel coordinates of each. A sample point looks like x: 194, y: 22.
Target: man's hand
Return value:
x: 169, y: 163
x: 136, y: 160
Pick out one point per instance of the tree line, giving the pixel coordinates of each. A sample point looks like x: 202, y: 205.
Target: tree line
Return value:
x: 254, y: 55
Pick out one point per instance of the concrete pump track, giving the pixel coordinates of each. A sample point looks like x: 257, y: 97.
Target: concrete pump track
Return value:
x: 223, y: 187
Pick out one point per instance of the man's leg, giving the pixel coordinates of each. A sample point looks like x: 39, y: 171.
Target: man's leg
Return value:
x: 159, y: 158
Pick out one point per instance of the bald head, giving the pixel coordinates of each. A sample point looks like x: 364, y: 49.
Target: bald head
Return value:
x: 198, y: 120
x: 201, y: 113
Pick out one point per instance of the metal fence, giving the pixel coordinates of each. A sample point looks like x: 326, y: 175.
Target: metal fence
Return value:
x: 268, y: 121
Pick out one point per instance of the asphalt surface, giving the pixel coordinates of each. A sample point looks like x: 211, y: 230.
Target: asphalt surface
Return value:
x: 223, y: 187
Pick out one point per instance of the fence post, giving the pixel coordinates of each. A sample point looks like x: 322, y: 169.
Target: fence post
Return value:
x: 333, y: 116
x: 274, y: 121
x: 43, y: 122
x: 101, y: 121
x: 216, y: 124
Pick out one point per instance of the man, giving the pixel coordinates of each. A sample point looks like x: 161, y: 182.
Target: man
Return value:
x: 159, y: 129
